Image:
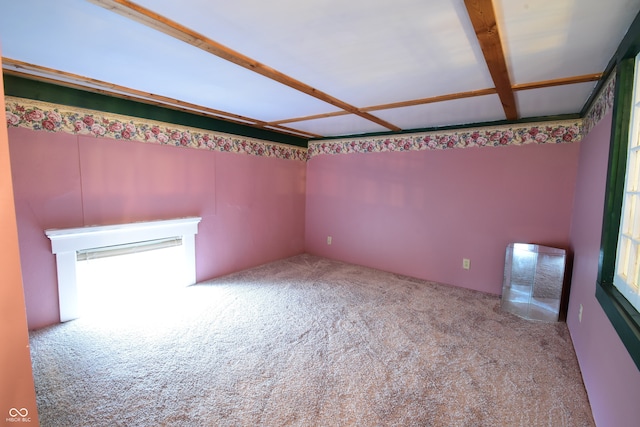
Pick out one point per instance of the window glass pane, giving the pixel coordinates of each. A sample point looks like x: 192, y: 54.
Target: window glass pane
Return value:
x: 633, y: 216
x: 627, y: 224
x: 632, y: 180
x: 623, y: 256
x: 633, y: 260
x: 633, y: 278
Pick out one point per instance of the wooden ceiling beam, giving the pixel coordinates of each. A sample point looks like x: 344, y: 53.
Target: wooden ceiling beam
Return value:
x: 401, y: 104
x: 558, y: 82
x: 312, y: 117
x: 50, y: 75
x: 441, y: 98
x: 23, y: 69
x: 158, y: 22
x: 450, y: 97
x: 483, y: 19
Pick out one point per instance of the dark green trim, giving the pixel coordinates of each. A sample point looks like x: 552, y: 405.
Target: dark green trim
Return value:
x: 623, y: 316
x: 466, y: 126
x: 616, y: 171
x: 630, y: 44
x: 32, y: 89
x: 41, y: 91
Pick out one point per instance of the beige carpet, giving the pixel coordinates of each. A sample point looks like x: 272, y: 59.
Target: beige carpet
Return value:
x: 311, y: 342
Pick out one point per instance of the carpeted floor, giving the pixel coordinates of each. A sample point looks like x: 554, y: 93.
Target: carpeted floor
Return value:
x: 308, y: 341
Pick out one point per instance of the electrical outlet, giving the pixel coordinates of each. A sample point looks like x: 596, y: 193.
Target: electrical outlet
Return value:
x: 466, y: 263
x: 329, y: 239
x: 580, y: 313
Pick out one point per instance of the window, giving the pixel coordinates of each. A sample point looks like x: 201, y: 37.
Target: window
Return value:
x: 626, y: 278
x: 617, y: 286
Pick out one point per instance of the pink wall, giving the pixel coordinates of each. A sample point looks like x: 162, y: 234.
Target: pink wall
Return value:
x: 17, y: 392
x: 415, y: 213
x: 610, y: 375
x: 420, y: 213
x: 252, y: 208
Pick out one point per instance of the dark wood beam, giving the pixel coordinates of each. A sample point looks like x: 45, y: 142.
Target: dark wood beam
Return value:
x: 483, y: 19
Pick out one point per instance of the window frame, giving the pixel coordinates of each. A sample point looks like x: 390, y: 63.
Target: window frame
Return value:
x: 623, y: 316
x: 625, y: 278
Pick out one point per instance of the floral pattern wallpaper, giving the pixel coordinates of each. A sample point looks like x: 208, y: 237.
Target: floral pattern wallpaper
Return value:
x: 531, y: 133
x: 48, y: 117
x: 57, y: 118
x: 496, y: 136
x: 602, y: 105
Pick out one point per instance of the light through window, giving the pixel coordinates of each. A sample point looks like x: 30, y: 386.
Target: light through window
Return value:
x: 131, y: 286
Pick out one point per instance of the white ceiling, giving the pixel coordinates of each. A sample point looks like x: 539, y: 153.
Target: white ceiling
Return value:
x: 364, y: 53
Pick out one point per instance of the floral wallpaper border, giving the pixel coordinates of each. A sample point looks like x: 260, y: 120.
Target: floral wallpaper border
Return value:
x: 566, y: 131
x: 532, y: 133
x: 49, y: 117
x: 602, y: 105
